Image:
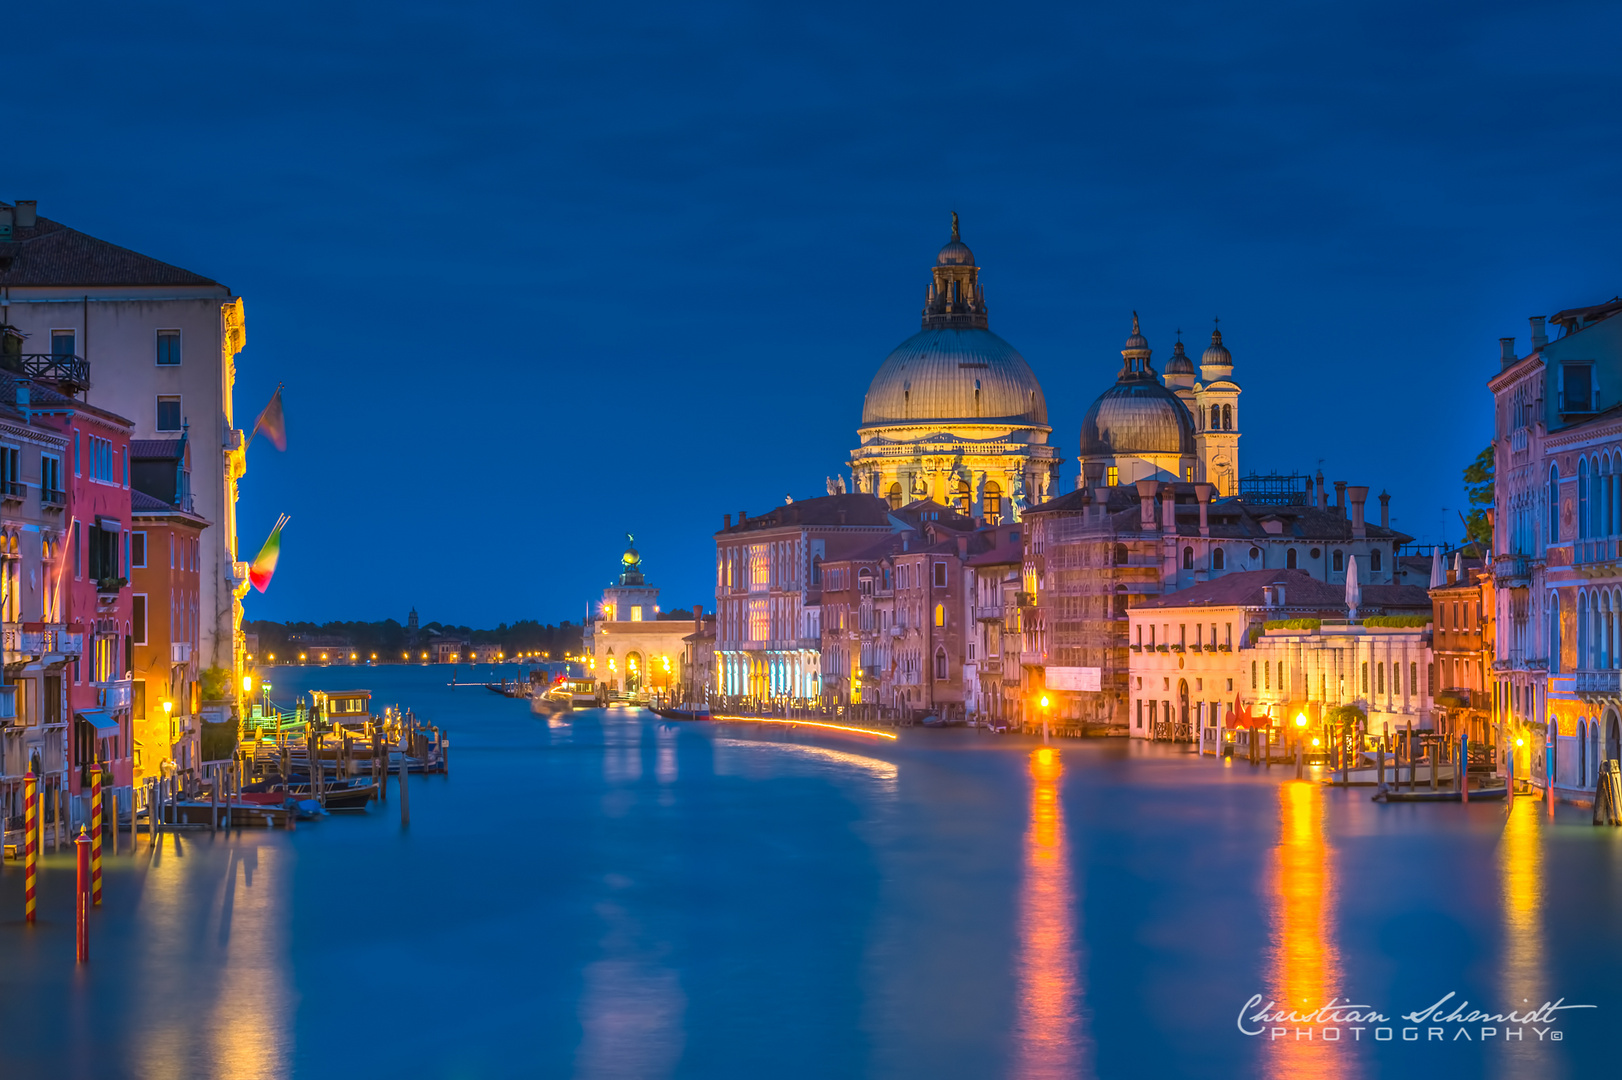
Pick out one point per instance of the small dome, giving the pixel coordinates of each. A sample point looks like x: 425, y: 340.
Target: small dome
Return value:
x: 955, y: 253
x: 1137, y: 417
x: 1217, y: 355
x: 1137, y: 342
x: 1180, y: 364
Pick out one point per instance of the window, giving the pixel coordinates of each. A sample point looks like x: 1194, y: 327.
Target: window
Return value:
x: 1554, y: 508
x: 864, y: 581
x: 1230, y: 684
x: 1374, y: 559
x: 1227, y: 418
x: 1413, y: 678
x: 1577, y: 382
x: 1267, y: 677
x: 894, y: 496
x: 962, y: 495
x: 1430, y: 679
x: 11, y: 481
x: 1120, y: 554
x: 1253, y: 674
x: 1218, y: 559
x: 103, y: 553
x: 636, y: 612
x: 1120, y: 601
x: 940, y: 575
x: 64, y: 342
x: 50, y: 479
x: 993, y: 499
x: 1216, y: 417
x: 1289, y: 559
x: 940, y: 614
x: 1112, y: 477
x: 940, y: 663
x: 1396, y: 679
x: 1364, y: 674
x: 168, y: 348
x: 1188, y: 558
x: 168, y: 414
x: 1379, y: 678
x: 1140, y: 712
x: 138, y: 619
x: 1582, y: 499
x: 816, y: 570
x: 1337, y: 561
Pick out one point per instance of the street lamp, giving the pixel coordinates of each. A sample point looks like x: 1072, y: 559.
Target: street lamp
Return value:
x: 1044, y: 704
x: 247, y: 685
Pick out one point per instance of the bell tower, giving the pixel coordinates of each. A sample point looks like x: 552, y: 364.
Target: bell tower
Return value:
x: 1216, y: 416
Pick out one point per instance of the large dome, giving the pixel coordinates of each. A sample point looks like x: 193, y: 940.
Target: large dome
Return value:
x: 948, y: 374
x: 1137, y: 417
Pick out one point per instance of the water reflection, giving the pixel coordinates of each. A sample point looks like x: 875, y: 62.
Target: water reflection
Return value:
x: 632, y: 1006
x: 726, y: 764
x: 1306, y: 971
x: 1050, y: 1032
x: 1520, y: 859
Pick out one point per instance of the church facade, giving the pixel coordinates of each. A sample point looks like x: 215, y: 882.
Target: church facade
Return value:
x: 955, y: 414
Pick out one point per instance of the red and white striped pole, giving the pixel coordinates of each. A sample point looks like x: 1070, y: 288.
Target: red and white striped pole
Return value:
x: 95, y: 836
x: 31, y: 849
x: 81, y: 899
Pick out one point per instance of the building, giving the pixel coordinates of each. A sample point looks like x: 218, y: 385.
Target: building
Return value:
x: 1278, y: 643
x: 162, y: 343
x: 955, y: 414
x: 628, y: 648
x: 166, y: 610
x: 38, y: 645
x: 768, y: 592
x: 1557, y: 524
x: 992, y: 667
x: 1461, y: 615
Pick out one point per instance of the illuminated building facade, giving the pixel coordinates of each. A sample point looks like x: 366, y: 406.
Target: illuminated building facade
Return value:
x: 1194, y: 654
x: 955, y: 414
x: 165, y: 609
x: 162, y: 342
x: 629, y: 648
x: 768, y: 592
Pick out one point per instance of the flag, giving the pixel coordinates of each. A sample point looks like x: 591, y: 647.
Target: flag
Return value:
x: 272, y: 422
x: 264, y: 563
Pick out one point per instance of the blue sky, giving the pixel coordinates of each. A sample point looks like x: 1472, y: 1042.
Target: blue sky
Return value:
x: 538, y: 276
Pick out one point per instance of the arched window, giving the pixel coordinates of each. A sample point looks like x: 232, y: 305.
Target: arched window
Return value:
x: 1582, y: 500
x: 940, y: 663
x: 1379, y: 678
x: 962, y: 495
x: 1582, y: 632
x: 940, y: 614
x: 1188, y: 558
x: 1219, y: 560
x: 1120, y: 602
x: 1216, y: 417
x: 864, y: 581
x: 1582, y: 753
x: 1227, y: 418
x: 1120, y: 555
x: 1337, y: 561
x: 993, y: 500
x: 1374, y: 559
x: 816, y: 570
x: 1289, y: 559
x: 1554, y: 634
x: 894, y: 496
x: 1554, y: 507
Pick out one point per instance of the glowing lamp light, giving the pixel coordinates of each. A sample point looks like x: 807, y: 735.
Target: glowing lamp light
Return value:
x: 1520, y: 742
x: 301, y: 656
x: 1315, y: 740
x: 1301, y: 721
x: 1044, y: 702
x: 167, y: 707
x: 247, y: 684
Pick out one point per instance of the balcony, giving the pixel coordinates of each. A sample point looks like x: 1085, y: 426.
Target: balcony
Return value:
x: 180, y: 652
x: 988, y: 613
x: 1594, y: 556
x: 12, y: 492
x: 1597, y: 682
x: 117, y: 694
x: 70, y: 373
x: 50, y: 499
x: 27, y: 642
x: 1512, y: 571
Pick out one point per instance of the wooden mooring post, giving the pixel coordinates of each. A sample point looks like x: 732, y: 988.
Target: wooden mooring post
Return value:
x: 405, y: 785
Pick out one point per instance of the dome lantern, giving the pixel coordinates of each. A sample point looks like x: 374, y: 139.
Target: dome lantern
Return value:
x: 954, y: 299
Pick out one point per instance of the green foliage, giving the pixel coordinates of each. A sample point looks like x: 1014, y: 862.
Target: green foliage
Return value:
x: 1397, y: 620
x: 216, y: 684
x: 1292, y: 624
x: 219, y: 741
x: 1342, y: 715
x: 1478, y: 479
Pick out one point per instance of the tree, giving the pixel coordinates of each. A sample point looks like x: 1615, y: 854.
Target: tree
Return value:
x: 1478, y: 477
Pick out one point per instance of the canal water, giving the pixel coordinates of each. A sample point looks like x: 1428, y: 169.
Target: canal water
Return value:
x: 616, y: 896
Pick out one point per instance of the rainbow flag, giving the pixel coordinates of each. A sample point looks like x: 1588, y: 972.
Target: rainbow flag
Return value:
x: 264, y: 563
x: 272, y: 422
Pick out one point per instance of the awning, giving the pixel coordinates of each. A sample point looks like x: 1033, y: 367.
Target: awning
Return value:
x: 104, y: 722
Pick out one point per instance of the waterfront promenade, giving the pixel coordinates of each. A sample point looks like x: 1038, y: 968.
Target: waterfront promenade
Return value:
x: 614, y: 896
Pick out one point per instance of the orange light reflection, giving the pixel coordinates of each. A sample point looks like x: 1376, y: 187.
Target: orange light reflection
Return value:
x: 1520, y: 858
x: 1050, y: 1034
x: 803, y: 723
x: 1306, y: 969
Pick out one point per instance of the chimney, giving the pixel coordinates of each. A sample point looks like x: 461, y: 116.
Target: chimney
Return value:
x: 27, y: 213
x: 962, y: 546
x: 1205, y: 491
x: 1358, y: 496
x: 1323, y: 493
x: 1506, y: 348
x: 1278, y: 593
x: 1385, y: 510
x: 1340, y: 497
x: 1539, y: 337
x: 726, y: 521
x: 1168, y: 508
x: 743, y: 519
x: 1310, y: 497
x: 1146, y: 502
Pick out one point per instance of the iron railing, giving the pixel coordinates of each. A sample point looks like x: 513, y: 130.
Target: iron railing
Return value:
x: 69, y: 371
x: 13, y: 489
x: 50, y: 498
x: 1597, y: 682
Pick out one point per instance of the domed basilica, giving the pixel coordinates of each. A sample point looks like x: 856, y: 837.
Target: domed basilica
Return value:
x: 955, y: 414
x: 1185, y: 428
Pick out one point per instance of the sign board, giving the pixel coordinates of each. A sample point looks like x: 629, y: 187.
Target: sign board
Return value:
x: 1073, y: 678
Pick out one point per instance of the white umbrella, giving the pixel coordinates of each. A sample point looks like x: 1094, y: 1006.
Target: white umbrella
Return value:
x: 1354, y: 594
x: 1437, y: 579
x: 1458, y: 567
